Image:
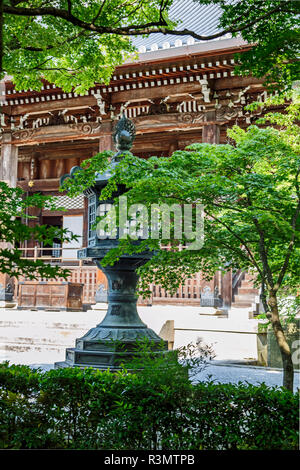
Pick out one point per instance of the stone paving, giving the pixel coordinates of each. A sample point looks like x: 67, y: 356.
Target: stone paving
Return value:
x: 40, y: 339
x: 36, y: 336
x: 231, y: 373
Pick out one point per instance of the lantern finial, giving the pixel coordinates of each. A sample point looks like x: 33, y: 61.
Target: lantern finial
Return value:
x: 124, y: 134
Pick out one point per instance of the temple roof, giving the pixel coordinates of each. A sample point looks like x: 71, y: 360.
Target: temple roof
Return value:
x: 202, y: 19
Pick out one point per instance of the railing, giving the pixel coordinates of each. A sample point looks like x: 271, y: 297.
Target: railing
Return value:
x: 84, y: 274
x: 37, y: 252
x: 188, y: 294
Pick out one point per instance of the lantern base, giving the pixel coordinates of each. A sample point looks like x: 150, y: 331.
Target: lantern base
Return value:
x: 108, y: 348
x: 114, y: 341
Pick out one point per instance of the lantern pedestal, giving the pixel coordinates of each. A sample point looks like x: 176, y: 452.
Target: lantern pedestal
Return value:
x: 112, y: 342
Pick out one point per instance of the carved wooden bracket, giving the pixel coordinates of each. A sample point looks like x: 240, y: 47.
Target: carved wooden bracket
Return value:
x: 52, y: 132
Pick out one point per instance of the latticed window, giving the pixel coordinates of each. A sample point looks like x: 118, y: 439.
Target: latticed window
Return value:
x: 92, y: 220
x: 104, y: 209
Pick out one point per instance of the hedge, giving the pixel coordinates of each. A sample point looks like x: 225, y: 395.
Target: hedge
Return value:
x: 158, y: 409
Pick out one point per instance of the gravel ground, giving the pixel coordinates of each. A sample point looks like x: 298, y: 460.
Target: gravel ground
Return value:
x: 255, y: 375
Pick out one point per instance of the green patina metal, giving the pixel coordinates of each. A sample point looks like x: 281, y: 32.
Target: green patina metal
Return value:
x: 113, y: 341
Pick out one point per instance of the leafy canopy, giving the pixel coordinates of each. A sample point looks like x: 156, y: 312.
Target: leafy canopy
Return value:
x: 79, y: 43
x: 273, y: 28
x: 15, y: 230
x: 251, y: 197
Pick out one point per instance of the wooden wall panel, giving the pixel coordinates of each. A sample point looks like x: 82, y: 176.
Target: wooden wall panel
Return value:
x: 70, y: 162
x: 44, y: 169
x: 24, y: 170
x: 59, y: 167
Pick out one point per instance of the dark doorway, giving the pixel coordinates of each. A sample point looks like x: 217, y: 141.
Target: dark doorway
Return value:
x: 52, y: 250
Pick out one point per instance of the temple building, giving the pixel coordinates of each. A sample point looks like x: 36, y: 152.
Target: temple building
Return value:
x: 178, y: 91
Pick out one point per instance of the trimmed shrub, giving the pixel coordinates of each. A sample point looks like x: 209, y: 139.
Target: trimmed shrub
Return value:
x: 157, y: 408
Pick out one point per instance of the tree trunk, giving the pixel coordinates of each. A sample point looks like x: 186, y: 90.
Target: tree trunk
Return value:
x: 287, y: 363
x: 1, y: 38
x: 264, y: 299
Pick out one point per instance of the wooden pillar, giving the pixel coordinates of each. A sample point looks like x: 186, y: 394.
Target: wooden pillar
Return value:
x: 8, y: 174
x: 173, y: 147
x: 60, y: 167
x: 9, y: 160
x: 226, y: 289
x: 211, y: 132
x: 106, y: 143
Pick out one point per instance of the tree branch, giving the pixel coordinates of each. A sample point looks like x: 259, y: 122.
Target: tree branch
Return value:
x: 262, y: 247
x: 69, y: 6
x: 292, y: 241
x: 131, y: 30
x: 99, y: 12
x: 239, y: 239
x: 1, y: 36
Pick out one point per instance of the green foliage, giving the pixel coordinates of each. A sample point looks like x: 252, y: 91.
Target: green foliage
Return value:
x: 78, y: 44
x: 87, y: 409
x: 250, y: 193
x: 150, y: 358
x: 73, y: 44
x: 85, y: 179
x: 287, y: 120
x: 14, y: 230
x: 276, y: 38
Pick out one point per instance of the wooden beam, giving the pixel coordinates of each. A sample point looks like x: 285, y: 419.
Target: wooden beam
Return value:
x: 155, y: 92
x: 62, y: 213
x: 236, y: 82
x: 40, y: 185
x: 60, y: 149
x: 179, y: 89
x: 62, y: 132
x: 44, y: 106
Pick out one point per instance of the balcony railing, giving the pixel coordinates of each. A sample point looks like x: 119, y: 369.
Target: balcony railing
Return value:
x: 52, y: 255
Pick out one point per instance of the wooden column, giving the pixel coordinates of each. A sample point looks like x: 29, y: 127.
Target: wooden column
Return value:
x: 211, y: 132
x: 9, y: 160
x: 226, y: 288
x: 8, y: 174
x: 173, y: 147
x: 106, y: 143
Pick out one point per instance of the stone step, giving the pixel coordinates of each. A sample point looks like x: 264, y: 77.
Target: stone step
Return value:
x: 244, y: 298
x: 247, y: 290
x: 241, y: 304
x: 249, y: 277
x: 247, y: 284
